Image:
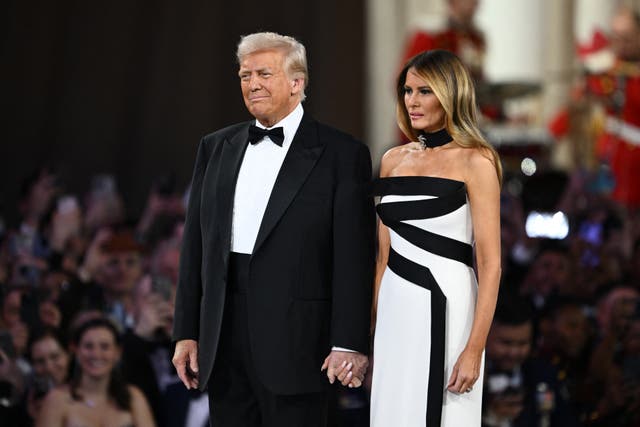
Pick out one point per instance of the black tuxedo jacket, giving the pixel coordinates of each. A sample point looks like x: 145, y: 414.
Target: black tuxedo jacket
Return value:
x: 311, y: 271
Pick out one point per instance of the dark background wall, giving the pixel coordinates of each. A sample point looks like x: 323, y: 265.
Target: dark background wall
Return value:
x: 129, y: 86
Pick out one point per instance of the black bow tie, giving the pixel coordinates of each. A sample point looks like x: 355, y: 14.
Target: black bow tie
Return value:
x: 275, y: 134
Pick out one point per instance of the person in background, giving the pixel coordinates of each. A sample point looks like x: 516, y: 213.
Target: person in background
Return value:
x: 549, y: 274
x: 165, y: 258
x: 51, y: 362
x: 103, y: 205
x: 609, y: 95
x: 27, y: 246
x: 147, y: 352
x: 13, y: 322
x: 96, y: 392
x: 566, y: 342
x: 459, y: 35
x: 112, y: 266
x: 164, y: 206
x: 614, y: 362
x: 12, y: 385
x: 49, y: 357
x: 520, y: 390
x: 124, y: 268
x: 619, y: 90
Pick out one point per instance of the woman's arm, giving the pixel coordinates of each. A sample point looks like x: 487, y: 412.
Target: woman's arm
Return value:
x: 53, y: 410
x: 484, y: 196
x: 140, y: 411
x: 483, y: 189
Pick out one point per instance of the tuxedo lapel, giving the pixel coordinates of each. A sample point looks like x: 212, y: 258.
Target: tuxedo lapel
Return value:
x: 303, y: 154
x: 231, y: 159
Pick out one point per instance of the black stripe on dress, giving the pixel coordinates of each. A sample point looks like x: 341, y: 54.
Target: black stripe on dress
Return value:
x: 421, y: 276
x: 416, y: 185
x: 431, y: 242
x: 427, y: 208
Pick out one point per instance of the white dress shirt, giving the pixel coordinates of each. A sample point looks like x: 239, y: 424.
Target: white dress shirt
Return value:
x: 258, y: 172
x: 257, y: 176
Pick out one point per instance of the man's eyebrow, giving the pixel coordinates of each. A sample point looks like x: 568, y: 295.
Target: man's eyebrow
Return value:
x: 257, y: 70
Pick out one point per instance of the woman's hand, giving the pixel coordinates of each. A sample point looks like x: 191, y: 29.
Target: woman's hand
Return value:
x: 465, y: 372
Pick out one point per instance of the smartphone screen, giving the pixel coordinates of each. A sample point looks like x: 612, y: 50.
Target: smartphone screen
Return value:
x: 547, y: 225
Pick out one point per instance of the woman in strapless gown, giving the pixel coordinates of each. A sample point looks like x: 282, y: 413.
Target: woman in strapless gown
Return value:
x: 439, y: 216
x: 96, y: 396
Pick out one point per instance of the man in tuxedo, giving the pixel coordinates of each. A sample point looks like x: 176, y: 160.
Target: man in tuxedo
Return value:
x: 277, y: 259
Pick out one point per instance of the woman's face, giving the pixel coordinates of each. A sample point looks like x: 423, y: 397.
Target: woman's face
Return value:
x: 424, y: 109
x: 50, y: 360
x: 97, y: 352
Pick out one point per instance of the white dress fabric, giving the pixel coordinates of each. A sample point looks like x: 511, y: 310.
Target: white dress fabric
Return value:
x: 426, y: 305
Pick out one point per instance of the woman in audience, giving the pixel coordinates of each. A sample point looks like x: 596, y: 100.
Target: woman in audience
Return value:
x: 96, y: 394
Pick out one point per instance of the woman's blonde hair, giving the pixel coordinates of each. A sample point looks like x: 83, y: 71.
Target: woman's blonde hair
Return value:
x: 452, y: 84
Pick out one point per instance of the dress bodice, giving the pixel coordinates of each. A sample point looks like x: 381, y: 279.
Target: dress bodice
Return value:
x: 429, y: 212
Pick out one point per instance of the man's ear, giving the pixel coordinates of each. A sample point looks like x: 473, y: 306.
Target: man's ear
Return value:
x: 297, y: 85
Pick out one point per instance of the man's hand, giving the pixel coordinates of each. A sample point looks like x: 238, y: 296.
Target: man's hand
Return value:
x: 347, y: 367
x: 153, y: 313
x: 185, y: 359
x: 95, y: 258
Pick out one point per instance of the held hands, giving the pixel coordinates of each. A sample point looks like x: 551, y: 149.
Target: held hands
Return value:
x: 465, y: 372
x: 347, y: 367
x: 185, y: 359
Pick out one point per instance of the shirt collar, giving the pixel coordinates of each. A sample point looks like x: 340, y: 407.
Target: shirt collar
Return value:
x: 289, y: 124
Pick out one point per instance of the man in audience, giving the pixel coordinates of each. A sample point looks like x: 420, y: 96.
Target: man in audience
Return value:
x: 147, y: 352
x: 519, y: 390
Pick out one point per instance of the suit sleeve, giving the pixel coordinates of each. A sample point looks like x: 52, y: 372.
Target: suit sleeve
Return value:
x: 187, y: 311
x: 353, y: 253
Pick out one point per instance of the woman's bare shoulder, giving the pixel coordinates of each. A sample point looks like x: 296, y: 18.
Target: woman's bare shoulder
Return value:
x: 55, y: 407
x: 478, y: 166
x: 135, y: 392
x: 60, y: 394
x: 477, y: 157
x: 393, y: 157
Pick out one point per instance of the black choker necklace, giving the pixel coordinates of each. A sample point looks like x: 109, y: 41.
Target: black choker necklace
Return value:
x: 434, y: 139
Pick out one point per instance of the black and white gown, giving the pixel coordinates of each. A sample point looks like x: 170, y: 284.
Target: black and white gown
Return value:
x: 426, y: 305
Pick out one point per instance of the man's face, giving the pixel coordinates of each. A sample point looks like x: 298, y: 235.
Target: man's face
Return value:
x: 122, y: 271
x: 625, y: 37
x: 549, y: 271
x: 269, y: 93
x: 50, y: 359
x: 572, y: 330
x: 11, y: 308
x: 509, y: 346
x: 464, y: 9
x: 622, y: 311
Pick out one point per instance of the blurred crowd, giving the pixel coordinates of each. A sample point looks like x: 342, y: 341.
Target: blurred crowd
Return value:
x: 564, y: 348
x: 565, y: 344
x: 72, y: 259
